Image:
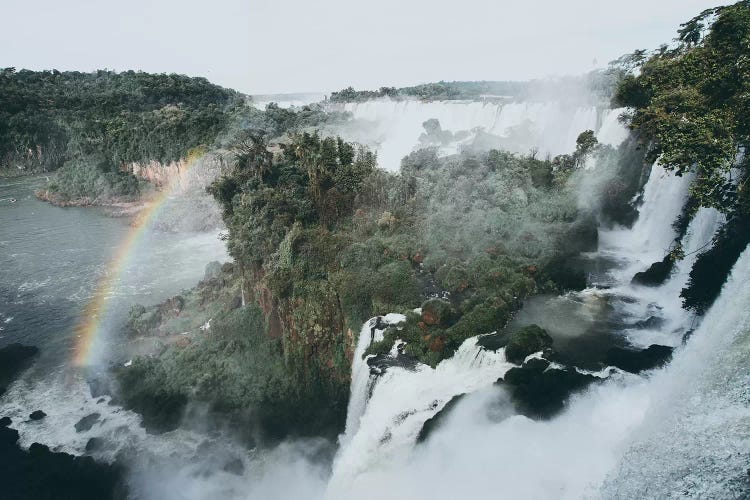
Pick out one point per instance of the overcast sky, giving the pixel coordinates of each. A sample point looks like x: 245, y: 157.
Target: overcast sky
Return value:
x: 266, y: 46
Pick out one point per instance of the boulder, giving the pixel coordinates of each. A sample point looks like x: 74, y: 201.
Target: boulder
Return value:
x: 435, y: 421
x: 634, y: 361
x: 656, y: 274
x: 87, y: 422
x: 37, y: 415
x: 526, y: 341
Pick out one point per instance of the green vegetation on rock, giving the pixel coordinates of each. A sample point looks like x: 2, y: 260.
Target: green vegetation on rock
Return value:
x: 691, y: 104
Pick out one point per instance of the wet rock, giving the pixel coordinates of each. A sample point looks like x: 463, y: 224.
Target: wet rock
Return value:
x: 656, y: 274
x: 5, y: 422
x: 539, y: 391
x: 41, y: 474
x: 37, y: 415
x: 94, y: 444
x: 634, y: 361
x: 526, y: 341
x: 380, y: 363
x: 436, y: 420
x: 87, y: 422
x: 493, y: 341
x: 14, y: 358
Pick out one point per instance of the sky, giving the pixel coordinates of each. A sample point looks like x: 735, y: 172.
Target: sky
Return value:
x: 276, y: 46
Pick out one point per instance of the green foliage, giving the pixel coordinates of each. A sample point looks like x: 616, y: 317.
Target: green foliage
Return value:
x: 691, y: 102
x: 104, y: 120
x: 691, y: 106
x: 477, y: 226
x: 526, y: 341
x: 79, y: 179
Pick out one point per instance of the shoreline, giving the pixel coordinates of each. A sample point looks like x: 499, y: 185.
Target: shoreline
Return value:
x: 113, y: 208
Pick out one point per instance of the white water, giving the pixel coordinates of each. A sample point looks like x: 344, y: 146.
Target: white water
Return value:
x: 401, y: 402
x: 694, y: 440
x: 361, y: 379
x: 549, y: 127
x: 483, y: 448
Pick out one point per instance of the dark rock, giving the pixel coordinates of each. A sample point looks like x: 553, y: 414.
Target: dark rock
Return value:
x: 94, y: 444
x: 41, y: 474
x: 541, y: 392
x: 87, y: 422
x: 526, y: 341
x: 493, y: 341
x: 14, y: 358
x: 37, y: 415
x: 380, y: 363
x: 656, y: 274
x: 436, y: 420
x: 633, y: 361
x: 234, y: 466
x: 5, y: 422
x: 712, y: 267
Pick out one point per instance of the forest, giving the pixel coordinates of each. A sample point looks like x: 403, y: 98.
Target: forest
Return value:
x: 88, y: 126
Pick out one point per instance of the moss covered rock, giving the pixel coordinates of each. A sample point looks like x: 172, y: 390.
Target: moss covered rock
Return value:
x: 526, y: 341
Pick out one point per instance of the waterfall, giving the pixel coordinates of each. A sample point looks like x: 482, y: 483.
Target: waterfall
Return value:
x: 619, y: 438
x: 693, y: 441
x: 612, y: 132
x: 401, y: 401
x: 652, y: 235
x: 361, y: 379
x: 550, y: 127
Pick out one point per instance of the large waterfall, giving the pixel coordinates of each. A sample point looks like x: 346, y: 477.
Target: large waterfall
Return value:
x: 547, y: 127
x: 679, y: 429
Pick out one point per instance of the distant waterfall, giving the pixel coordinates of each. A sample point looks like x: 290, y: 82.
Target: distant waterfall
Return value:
x: 549, y: 127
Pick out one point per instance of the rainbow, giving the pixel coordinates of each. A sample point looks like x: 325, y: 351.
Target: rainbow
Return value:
x: 89, y: 327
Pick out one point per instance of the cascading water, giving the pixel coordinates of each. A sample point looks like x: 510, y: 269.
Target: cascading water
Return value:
x: 399, y: 404
x: 361, y: 379
x: 549, y: 127
x: 694, y: 441
x: 534, y: 459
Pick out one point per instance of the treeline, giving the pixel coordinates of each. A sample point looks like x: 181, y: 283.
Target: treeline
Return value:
x: 691, y: 103
x: 596, y: 87
x: 93, y: 123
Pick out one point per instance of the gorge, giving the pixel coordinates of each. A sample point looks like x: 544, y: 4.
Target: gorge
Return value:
x: 453, y: 290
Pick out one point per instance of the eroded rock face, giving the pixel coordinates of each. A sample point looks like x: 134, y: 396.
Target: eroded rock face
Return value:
x: 37, y: 415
